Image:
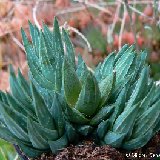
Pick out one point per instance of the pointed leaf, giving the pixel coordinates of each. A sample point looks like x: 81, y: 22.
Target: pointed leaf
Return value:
x: 46, y: 133
x: 107, y: 65
x: 71, y: 133
x: 15, y: 105
x: 57, y: 40
x: 121, y: 52
x: 7, y: 135
x: 57, y: 114
x: 89, y: 95
x: 75, y: 116
x: 138, y: 142
x: 30, y: 151
x: 113, y: 139
x: 102, y: 115
x: 18, y: 92
x: 35, y: 137
x: 105, y: 87
x: 58, y: 144
x: 140, y: 88
x: 124, y: 122
x: 34, y: 65
x: 35, y: 37
x: 15, y: 122
x: 102, y: 129
x: 72, y: 86
x: 148, y: 120
x: 24, y: 84
x: 69, y: 48
x: 42, y: 112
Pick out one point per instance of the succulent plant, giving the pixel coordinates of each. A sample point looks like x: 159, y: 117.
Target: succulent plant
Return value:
x: 27, y: 121
x: 135, y: 118
x: 118, y: 102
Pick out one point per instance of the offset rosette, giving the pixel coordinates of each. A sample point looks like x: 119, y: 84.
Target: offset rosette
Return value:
x: 28, y: 121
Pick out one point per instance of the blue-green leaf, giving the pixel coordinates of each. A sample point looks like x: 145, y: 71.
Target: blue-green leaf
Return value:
x: 102, y: 114
x: 89, y: 95
x: 57, y: 114
x: 114, y: 139
x: 42, y: 112
x: 69, y: 48
x: 37, y: 139
x: 58, y: 144
x: 15, y: 122
x: 72, y: 85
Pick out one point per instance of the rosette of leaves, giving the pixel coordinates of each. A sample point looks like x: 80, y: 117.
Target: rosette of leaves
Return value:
x: 30, y: 123
x: 52, y: 69
x: 89, y: 97
x: 136, y: 117
x: 63, y: 97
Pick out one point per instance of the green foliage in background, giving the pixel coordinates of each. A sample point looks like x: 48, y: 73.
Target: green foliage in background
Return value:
x: 7, y: 151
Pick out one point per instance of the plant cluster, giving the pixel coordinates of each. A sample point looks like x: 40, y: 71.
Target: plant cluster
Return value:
x: 117, y: 104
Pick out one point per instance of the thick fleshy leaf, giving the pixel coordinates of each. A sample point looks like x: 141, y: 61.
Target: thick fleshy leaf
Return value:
x: 75, y: 116
x: 141, y: 87
x: 57, y: 114
x: 157, y: 127
x: 15, y: 122
x: 97, y: 72
x: 34, y: 32
x: 105, y: 87
x: 48, y: 35
x: 119, y: 105
x: 34, y: 65
x: 1, y: 96
x: 42, y: 112
x: 81, y: 67
x: 58, y: 41
x: 123, y: 68
x: 146, y: 102
x: 37, y: 139
x: 24, y: 84
x: 4, y: 98
x: 148, y: 120
x: 71, y: 133
x: 84, y: 72
x: 69, y: 48
x: 138, y: 142
x: 58, y: 144
x: 47, y: 134
x: 7, y: 135
x: 80, y: 59
x: 30, y: 151
x: 102, y: 129
x: 124, y: 122
x: 89, y: 97
x: 47, y: 66
x: 15, y: 105
x: 156, y: 95
x: 71, y: 83
x: 114, y: 139
x: 102, y: 115
x: 107, y: 66
x: 121, y: 52
x: 19, y: 92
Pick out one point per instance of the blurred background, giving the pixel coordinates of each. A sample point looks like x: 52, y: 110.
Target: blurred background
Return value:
x: 96, y: 28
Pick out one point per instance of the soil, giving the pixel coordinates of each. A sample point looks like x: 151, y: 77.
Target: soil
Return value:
x: 90, y: 151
